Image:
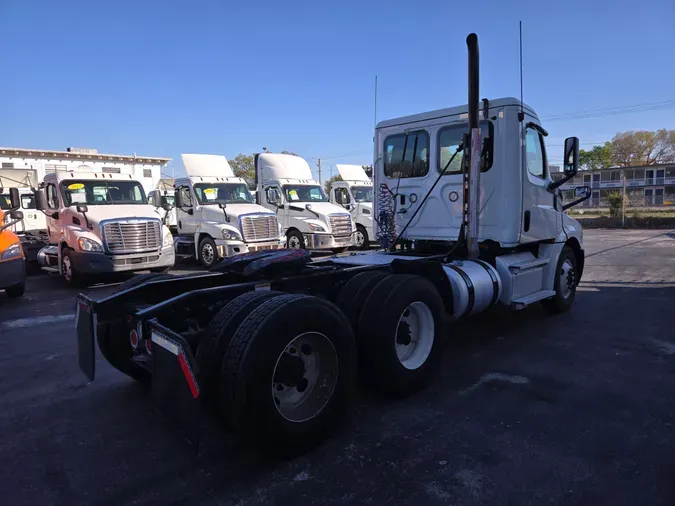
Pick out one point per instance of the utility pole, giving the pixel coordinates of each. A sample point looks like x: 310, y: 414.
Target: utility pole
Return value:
x: 623, y: 199
x: 318, y: 164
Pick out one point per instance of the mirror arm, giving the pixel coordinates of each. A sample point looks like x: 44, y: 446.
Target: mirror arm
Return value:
x: 557, y: 184
x: 7, y: 225
x: 575, y: 202
x: 538, y: 128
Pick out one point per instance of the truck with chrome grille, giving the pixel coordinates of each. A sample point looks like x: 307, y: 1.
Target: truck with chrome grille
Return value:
x: 100, y: 223
x: 216, y: 215
x: 285, y: 185
x: 270, y: 342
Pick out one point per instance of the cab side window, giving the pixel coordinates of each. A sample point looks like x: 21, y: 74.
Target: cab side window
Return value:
x: 52, y: 197
x: 406, y: 155
x: 536, y: 153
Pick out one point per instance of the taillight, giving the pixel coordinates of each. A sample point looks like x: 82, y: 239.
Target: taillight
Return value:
x: 133, y: 338
x: 148, y: 346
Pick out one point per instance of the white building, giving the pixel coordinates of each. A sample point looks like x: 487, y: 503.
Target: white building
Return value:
x: 145, y: 169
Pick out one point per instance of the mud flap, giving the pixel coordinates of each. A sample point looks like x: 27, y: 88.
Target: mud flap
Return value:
x: 85, y: 323
x: 175, y: 390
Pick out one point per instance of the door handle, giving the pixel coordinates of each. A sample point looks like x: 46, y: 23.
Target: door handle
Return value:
x: 526, y: 221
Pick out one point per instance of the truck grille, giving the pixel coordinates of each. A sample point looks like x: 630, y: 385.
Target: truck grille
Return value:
x: 132, y: 237
x: 260, y: 228
x: 340, y: 224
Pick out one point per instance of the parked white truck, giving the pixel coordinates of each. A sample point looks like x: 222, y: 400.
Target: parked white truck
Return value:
x: 216, y: 215
x: 278, y: 358
x: 32, y: 228
x: 284, y: 184
x: 100, y: 223
x: 355, y: 193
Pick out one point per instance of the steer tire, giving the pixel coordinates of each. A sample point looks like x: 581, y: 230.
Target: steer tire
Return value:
x: 379, y: 334
x: 217, y: 337
x: 113, y: 337
x: 355, y: 292
x: 559, y: 303
x: 248, y: 371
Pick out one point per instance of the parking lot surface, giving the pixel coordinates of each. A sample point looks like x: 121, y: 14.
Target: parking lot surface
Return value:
x: 530, y: 409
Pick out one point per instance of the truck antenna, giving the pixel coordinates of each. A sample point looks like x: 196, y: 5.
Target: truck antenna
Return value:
x: 375, y: 116
x: 521, y: 114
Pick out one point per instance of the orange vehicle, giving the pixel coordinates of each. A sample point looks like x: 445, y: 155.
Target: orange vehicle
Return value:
x: 12, y: 260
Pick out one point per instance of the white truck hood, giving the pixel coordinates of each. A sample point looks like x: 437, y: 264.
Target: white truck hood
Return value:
x: 322, y: 208
x: 97, y: 214
x: 234, y: 211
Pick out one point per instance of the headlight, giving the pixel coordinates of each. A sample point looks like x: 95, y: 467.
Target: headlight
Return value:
x: 365, y: 210
x: 168, y: 240
x: 14, y: 251
x: 231, y: 235
x: 89, y: 245
x: 316, y: 228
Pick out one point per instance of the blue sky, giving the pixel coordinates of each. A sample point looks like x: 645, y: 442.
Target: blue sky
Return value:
x: 171, y: 77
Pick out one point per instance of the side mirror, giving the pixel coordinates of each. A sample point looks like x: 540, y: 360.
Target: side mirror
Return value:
x: 167, y: 207
x: 308, y: 207
x: 14, y: 198
x: 82, y: 208
x: 571, y: 156
x: 41, y: 199
x: 178, y: 199
x: 155, y: 199
x: 16, y: 215
x: 581, y: 193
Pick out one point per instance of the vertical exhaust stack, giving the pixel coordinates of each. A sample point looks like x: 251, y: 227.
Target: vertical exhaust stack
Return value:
x: 472, y: 177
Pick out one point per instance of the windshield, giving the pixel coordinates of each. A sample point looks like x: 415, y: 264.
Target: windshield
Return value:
x: 304, y: 193
x: 93, y: 193
x: 362, y: 193
x: 170, y: 199
x: 223, y: 193
x: 5, y: 202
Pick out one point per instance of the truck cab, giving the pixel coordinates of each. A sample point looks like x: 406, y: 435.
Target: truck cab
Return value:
x: 32, y: 229
x: 355, y: 193
x: 309, y: 220
x: 12, y: 260
x: 216, y: 214
x: 100, y: 223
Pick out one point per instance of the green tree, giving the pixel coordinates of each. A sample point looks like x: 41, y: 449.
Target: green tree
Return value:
x: 329, y: 182
x: 643, y: 147
x: 599, y: 157
x: 244, y: 166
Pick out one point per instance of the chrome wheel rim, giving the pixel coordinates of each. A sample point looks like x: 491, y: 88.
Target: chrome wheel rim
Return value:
x: 304, y: 377
x: 67, y: 268
x: 294, y: 242
x: 208, y: 254
x: 415, y: 334
x: 360, y: 239
x: 567, y: 279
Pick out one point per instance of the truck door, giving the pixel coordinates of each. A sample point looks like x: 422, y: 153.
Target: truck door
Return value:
x: 341, y: 196
x: 540, y: 220
x: 272, y: 199
x: 186, y: 215
x: 53, y: 210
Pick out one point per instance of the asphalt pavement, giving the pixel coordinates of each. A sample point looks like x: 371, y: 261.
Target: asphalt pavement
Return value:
x: 530, y: 409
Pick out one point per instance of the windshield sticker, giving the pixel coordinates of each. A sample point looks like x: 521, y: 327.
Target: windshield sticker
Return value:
x: 78, y: 198
x: 293, y: 195
x: 210, y: 191
x: 76, y: 186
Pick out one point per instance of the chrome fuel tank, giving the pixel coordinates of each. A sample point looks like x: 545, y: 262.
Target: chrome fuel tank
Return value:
x: 475, y: 286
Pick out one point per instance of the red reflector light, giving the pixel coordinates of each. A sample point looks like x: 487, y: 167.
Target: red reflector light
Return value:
x: 133, y: 337
x: 148, y: 346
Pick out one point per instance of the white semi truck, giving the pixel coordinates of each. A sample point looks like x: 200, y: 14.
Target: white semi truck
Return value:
x: 270, y: 340
x: 355, y: 193
x: 32, y: 228
x: 216, y: 215
x: 100, y: 223
x: 284, y: 184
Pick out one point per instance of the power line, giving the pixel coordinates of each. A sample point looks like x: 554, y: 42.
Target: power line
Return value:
x: 612, y: 111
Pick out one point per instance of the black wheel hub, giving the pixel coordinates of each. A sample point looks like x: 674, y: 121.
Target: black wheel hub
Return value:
x: 291, y: 371
x: 403, y: 335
